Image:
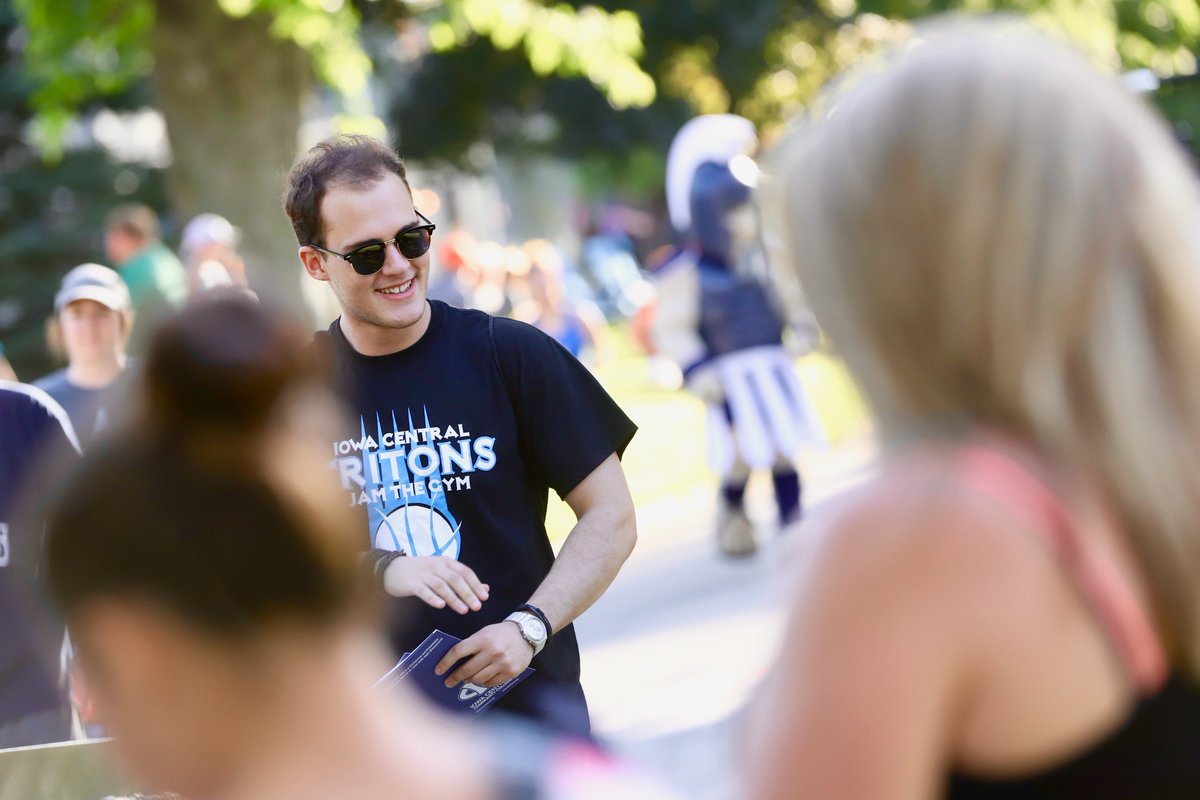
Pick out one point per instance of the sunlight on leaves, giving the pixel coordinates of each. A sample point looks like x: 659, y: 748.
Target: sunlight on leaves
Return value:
x: 604, y: 47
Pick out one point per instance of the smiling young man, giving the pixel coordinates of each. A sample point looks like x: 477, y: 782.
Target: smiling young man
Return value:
x: 464, y: 423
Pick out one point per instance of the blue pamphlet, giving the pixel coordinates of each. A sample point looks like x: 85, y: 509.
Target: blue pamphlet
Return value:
x: 418, y: 667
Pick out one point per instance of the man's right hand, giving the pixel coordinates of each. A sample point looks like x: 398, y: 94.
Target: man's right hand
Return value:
x: 438, y: 580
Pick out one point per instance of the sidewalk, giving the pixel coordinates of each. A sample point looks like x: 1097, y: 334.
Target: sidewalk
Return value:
x: 680, y: 642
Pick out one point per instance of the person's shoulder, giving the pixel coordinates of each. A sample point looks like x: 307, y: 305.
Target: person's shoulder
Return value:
x: 53, y: 382
x: 323, y: 339
x: 163, y: 257
x: 458, y: 319
x: 508, y: 335
x: 24, y: 404
x: 513, y: 333
x: 921, y: 536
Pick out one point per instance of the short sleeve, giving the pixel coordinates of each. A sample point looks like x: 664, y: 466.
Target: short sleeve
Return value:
x: 44, y: 424
x: 37, y: 446
x: 568, y: 423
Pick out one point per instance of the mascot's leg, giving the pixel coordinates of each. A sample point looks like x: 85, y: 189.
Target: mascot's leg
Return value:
x: 788, y: 490
x: 735, y: 533
x: 772, y: 417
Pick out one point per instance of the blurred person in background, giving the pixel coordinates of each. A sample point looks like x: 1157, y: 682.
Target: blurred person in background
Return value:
x: 491, y: 291
x: 204, y: 565
x: 717, y: 320
x: 453, y: 283
x: 459, y: 435
x: 157, y: 281
x: 208, y: 248
x: 1001, y: 242
x: 6, y: 371
x: 517, y: 265
x: 577, y: 326
x: 35, y: 433
x: 610, y: 260
x: 93, y: 319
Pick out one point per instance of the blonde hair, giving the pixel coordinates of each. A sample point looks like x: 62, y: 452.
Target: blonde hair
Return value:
x: 996, y: 235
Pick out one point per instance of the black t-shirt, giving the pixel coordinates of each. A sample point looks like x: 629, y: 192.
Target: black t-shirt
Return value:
x: 455, y: 444
x: 33, y: 429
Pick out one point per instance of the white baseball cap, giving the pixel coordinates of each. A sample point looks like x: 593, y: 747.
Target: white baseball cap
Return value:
x: 93, y: 282
x: 206, y: 229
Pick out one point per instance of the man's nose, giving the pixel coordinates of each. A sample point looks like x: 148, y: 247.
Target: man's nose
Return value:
x: 394, y: 260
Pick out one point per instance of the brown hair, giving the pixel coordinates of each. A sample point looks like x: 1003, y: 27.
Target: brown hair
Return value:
x: 219, y: 506
x: 353, y: 160
x: 135, y: 219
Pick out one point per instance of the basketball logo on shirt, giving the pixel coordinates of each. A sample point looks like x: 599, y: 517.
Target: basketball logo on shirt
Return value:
x: 418, y: 530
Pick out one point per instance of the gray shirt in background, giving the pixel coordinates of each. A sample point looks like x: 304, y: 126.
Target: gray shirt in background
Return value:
x: 91, y: 410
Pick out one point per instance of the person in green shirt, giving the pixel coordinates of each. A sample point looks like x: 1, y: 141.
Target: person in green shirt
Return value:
x: 156, y: 278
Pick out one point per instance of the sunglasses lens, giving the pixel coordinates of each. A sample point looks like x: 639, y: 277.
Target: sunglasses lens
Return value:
x: 414, y: 243
x: 368, y: 260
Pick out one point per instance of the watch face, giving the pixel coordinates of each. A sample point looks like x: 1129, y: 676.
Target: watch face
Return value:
x: 534, y: 629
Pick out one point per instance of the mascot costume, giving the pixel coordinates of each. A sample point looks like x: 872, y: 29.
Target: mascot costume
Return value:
x: 717, y: 320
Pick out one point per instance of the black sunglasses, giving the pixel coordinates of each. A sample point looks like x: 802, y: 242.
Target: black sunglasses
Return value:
x: 369, y: 258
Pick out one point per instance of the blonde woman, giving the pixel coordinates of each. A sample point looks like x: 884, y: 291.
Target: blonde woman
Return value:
x: 1003, y: 243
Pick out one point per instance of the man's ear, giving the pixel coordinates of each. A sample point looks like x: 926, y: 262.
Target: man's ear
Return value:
x: 313, y: 263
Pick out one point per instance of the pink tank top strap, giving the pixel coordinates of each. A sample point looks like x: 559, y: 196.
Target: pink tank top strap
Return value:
x: 1094, y: 571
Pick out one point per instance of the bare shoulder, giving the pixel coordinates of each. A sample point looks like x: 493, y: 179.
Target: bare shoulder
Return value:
x: 921, y: 540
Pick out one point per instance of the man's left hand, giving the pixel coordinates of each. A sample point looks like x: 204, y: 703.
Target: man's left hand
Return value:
x: 496, y: 654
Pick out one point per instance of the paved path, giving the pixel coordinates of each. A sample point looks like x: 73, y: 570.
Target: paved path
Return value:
x: 677, y: 646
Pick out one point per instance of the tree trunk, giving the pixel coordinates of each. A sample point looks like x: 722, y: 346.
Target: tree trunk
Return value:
x: 231, y: 94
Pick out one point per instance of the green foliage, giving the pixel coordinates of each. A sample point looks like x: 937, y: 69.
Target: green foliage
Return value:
x: 764, y: 59
x: 77, y: 51
x: 326, y: 29
x: 603, y: 46
x: 478, y: 93
x: 1179, y: 100
x: 700, y: 53
x: 1119, y: 34
x: 82, y: 49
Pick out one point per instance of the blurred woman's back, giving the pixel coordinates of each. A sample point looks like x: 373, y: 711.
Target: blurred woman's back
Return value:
x: 1002, y: 242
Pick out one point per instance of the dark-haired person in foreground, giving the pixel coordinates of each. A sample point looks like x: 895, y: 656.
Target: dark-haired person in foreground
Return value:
x: 211, y: 585
x: 463, y: 423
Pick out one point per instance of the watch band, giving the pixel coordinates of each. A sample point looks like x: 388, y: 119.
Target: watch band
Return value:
x: 537, y: 612
x: 380, y: 559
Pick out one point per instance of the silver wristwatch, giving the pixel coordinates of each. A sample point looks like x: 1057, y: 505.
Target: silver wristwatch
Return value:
x: 532, y: 629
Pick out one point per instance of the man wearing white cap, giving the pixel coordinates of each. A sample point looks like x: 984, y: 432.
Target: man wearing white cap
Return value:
x: 93, y: 312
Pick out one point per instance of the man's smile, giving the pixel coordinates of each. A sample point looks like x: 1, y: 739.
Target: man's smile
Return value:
x: 399, y: 290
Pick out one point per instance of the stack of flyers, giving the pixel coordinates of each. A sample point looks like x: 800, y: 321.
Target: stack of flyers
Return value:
x: 418, y: 666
